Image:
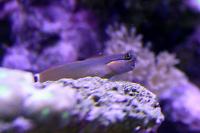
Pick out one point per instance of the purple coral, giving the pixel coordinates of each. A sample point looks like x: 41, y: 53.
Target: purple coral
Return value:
x: 193, y: 4
x: 181, y: 105
x: 21, y: 56
x: 51, y: 32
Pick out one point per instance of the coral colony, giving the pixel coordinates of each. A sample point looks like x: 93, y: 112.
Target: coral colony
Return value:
x: 99, y: 66
x: 66, y: 103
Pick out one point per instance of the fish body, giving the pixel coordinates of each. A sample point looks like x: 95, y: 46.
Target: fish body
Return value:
x: 105, y: 66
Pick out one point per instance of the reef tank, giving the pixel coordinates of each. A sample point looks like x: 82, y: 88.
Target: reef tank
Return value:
x: 103, y: 66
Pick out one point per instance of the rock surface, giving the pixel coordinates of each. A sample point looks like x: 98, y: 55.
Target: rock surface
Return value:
x: 87, y: 105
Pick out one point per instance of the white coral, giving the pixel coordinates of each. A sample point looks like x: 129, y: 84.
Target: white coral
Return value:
x: 157, y: 73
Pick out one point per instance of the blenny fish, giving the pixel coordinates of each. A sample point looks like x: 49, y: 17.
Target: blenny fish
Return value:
x: 105, y: 67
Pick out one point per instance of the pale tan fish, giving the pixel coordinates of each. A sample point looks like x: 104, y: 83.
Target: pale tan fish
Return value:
x: 105, y: 67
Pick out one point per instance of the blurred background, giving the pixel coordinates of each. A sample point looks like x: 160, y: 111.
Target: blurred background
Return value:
x: 38, y: 34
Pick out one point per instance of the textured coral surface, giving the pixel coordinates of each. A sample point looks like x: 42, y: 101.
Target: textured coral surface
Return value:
x: 88, y: 105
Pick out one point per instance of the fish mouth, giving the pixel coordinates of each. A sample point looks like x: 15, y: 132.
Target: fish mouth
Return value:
x: 132, y: 63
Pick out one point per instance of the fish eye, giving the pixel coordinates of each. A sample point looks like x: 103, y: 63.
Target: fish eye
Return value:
x: 128, y: 56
